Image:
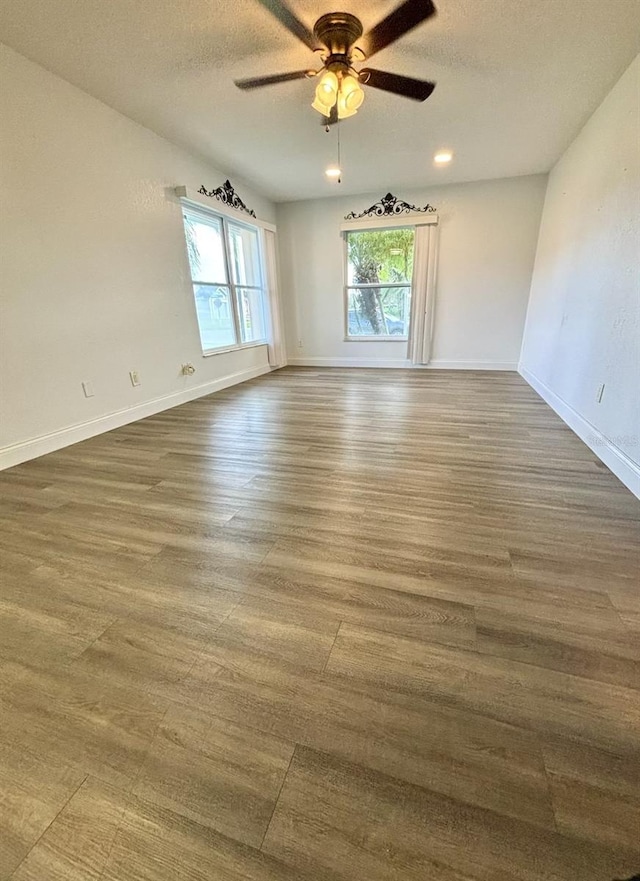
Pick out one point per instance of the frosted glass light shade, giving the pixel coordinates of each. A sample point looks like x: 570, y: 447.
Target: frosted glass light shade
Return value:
x: 321, y: 108
x: 350, y: 97
x: 352, y: 92
x: 344, y: 93
x: 327, y: 90
x: 343, y: 110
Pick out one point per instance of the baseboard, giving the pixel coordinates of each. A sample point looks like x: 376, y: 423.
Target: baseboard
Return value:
x: 48, y: 443
x: 402, y: 363
x: 625, y: 469
x: 349, y: 362
x: 437, y: 364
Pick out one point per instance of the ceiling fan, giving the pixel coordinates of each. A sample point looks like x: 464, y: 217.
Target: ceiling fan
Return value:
x: 339, y: 39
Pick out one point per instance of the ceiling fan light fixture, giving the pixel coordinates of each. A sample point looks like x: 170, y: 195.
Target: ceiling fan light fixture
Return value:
x: 351, y: 93
x: 339, y: 40
x: 344, y: 111
x: 321, y: 108
x: 327, y: 91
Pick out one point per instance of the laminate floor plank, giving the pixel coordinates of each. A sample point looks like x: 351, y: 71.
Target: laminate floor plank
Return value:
x: 156, y: 844
x: 592, y: 813
x: 615, y: 773
x: 497, y: 589
x: 45, y: 541
x: 33, y: 790
x: 423, y: 617
x: 293, y: 633
x: 631, y: 620
x: 77, y: 844
x: 358, y: 823
x: 588, y: 648
x: 429, y: 538
x: 78, y: 719
x: 150, y: 658
x: 417, y: 562
x: 39, y: 628
x: 218, y: 774
x: 471, y: 757
x: 326, y: 625
x: 538, y: 698
x: 151, y: 597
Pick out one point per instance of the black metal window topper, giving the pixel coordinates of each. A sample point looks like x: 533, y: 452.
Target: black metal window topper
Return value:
x: 388, y: 206
x: 228, y: 195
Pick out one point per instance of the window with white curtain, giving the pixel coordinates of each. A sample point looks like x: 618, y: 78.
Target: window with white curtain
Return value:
x: 390, y: 280
x: 379, y: 268
x: 229, y: 281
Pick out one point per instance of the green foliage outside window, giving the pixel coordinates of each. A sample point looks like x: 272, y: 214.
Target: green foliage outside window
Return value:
x: 376, y: 257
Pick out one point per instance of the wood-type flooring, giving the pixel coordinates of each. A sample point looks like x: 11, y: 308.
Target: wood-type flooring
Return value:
x: 328, y: 625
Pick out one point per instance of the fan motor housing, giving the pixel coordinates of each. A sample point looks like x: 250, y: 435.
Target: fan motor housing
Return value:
x: 338, y: 31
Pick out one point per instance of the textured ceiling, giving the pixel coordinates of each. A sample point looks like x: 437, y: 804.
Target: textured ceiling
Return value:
x: 516, y: 81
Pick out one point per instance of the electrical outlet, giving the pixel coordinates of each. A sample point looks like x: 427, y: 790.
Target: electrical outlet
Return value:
x: 300, y: 344
x: 600, y: 393
x: 134, y: 376
x: 87, y: 388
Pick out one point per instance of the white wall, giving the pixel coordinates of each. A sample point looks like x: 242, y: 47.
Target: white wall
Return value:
x: 583, y: 323
x: 488, y: 234
x: 93, y: 270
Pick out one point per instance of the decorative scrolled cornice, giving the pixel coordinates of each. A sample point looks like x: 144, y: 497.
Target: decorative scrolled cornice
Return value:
x: 390, y: 205
x: 228, y: 195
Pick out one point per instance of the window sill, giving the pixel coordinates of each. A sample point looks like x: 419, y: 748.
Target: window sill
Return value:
x: 392, y: 338
x: 223, y: 349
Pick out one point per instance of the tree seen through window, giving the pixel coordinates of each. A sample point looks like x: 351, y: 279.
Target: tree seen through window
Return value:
x: 379, y: 270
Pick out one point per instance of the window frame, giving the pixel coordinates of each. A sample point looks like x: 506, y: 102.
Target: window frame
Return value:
x: 205, y: 215
x: 346, y: 288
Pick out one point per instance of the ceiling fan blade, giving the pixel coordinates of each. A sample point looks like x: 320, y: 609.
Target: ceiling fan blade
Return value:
x: 259, y: 81
x: 399, y: 22
x: 408, y: 87
x: 291, y: 22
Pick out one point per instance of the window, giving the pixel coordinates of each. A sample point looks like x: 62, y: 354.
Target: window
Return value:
x: 378, y: 288
x: 228, y: 281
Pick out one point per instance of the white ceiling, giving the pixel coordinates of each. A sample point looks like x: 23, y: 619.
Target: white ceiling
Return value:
x: 516, y: 81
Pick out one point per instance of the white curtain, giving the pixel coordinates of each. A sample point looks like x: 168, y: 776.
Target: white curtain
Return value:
x: 277, y: 350
x: 423, y: 294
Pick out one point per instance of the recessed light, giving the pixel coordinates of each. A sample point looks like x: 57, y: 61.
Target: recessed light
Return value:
x: 333, y: 172
x: 443, y: 157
